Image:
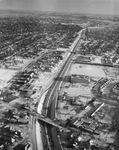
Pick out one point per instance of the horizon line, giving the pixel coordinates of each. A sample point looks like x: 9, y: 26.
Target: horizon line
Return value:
x: 59, y: 12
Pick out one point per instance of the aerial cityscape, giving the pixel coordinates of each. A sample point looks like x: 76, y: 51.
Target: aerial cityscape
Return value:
x: 59, y: 80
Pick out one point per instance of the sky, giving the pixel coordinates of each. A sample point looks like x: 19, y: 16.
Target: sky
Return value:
x: 110, y: 7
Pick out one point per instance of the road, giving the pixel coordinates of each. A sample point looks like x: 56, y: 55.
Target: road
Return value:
x: 51, y: 102
x: 97, y: 64
x: 50, y: 140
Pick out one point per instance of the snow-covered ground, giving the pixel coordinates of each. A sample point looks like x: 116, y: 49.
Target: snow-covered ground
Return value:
x: 87, y: 70
x: 96, y: 59
x: 5, y: 76
x: 22, y: 62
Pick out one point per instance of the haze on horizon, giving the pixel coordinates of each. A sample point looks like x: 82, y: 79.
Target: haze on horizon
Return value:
x: 110, y: 7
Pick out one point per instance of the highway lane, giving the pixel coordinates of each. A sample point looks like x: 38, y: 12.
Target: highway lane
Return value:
x: 52, y: 100
x: 50, y: 138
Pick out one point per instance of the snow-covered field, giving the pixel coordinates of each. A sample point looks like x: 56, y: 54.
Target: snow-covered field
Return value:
x: 87, y: 70
x: 5, y: 76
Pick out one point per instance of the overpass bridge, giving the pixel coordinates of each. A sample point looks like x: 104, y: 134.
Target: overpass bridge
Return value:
x: 47, y: 120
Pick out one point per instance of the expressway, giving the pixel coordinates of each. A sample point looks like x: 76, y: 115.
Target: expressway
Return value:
x: 53, y: 140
